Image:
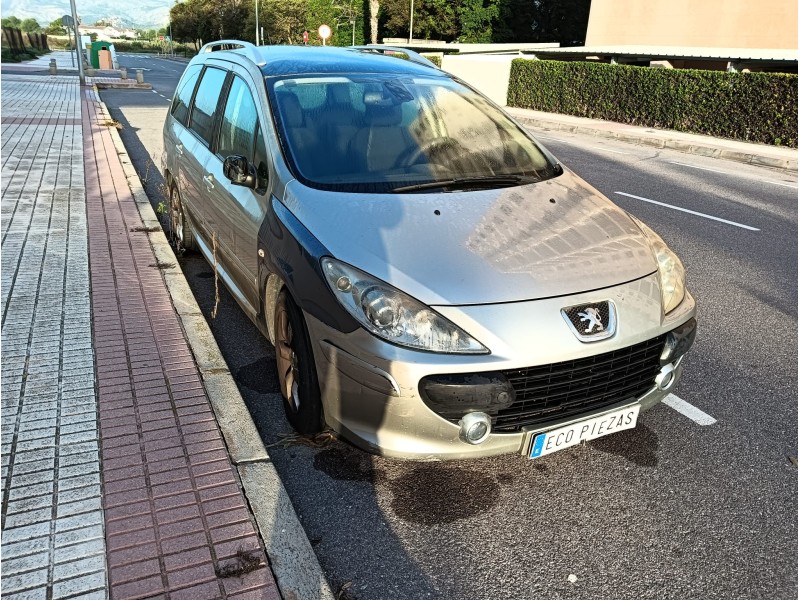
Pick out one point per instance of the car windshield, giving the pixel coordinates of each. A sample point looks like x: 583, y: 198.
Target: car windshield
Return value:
x: 380, y: 133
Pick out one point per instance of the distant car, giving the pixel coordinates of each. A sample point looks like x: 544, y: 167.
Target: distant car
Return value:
x: 435, y: 284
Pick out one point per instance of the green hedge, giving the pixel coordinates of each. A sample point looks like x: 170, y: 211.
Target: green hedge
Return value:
x: 435, y: 59
x: 753, y: 107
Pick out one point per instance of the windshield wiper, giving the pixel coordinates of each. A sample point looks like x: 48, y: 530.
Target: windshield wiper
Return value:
x: 466, y: 183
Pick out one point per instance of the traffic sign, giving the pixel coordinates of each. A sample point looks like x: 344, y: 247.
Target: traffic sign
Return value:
x: 324, y: 32
x: 67, y: 21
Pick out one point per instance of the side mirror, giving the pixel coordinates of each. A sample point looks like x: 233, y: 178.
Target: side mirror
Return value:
x: 239, y: 171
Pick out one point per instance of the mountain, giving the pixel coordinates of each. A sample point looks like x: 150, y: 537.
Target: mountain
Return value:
x: 143, y: 14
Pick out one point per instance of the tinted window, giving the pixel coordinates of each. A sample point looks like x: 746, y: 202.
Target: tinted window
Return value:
x: 205, y: 103
x: 239, y: 123
x: 183, y: 97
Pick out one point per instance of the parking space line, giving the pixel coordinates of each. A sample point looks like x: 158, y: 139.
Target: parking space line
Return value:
x: 687, y: 410
x: 788, y: 185
x: 610, y: 150
x: 732, y: 174
x: 691, y: 212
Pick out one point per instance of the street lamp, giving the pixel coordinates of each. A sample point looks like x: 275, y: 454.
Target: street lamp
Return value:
x: 81, y: 75
x: 411, y: 23
x: 257, y: 44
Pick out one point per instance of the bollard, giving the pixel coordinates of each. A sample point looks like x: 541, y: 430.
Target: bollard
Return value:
x: 123, y: 73
x: 139, y: 76
x: 53, y: 67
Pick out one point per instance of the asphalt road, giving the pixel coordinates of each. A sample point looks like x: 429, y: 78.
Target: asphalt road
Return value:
x: 671, y: 509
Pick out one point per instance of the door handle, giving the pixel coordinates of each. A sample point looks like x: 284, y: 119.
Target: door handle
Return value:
x: 179, y: 148
x: 209, y: 179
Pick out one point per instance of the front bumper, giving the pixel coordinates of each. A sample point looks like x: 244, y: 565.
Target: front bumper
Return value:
x: 370, y: 388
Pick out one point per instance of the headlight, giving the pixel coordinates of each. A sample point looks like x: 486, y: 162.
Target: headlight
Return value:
x: 394, y: 316
x: 670, y: 269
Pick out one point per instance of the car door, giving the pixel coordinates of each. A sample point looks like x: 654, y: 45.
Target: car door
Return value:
x: 196, y: 185
x: 241, y: 206
x: 178, y: 141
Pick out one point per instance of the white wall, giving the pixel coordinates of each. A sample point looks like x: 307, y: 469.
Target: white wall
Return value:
x: 489, y: 74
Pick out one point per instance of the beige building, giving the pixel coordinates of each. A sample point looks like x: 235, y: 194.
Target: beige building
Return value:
x: 694, y: 23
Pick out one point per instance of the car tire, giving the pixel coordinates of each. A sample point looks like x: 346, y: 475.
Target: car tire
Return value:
x: 297, y: 374
x: 179, y: 223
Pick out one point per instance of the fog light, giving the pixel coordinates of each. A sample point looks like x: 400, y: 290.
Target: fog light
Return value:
x: 475, y: 427
x: 665, y: 377
x: 678, y: 341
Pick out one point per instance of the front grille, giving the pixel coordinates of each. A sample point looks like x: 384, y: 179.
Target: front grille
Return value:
x: 572, y: 387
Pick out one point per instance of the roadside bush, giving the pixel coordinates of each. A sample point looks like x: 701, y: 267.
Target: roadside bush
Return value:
x: 435, y: 59
x: 752, y: 107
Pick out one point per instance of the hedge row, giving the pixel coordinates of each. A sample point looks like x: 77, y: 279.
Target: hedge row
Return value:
x: 753, y: 107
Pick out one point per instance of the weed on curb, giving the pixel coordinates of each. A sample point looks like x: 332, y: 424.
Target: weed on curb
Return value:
x: 318, y: 440
x: 245, y: 561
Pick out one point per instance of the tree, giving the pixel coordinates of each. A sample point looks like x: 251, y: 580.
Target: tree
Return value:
x: 349, y: 18
x: 563, y: 21
x: 191, y: 22
x: 30, y: 25
x: 286, y: 21
x: 11, y: 22
x: 374, y: 6
x: 56, y: 27
x: 433, y: 19
x: 475, y: 19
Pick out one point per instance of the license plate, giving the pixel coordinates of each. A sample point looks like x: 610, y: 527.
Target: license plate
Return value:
x: 583, y: 431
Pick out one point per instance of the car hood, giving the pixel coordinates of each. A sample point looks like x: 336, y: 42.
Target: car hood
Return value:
x: 546, y: 239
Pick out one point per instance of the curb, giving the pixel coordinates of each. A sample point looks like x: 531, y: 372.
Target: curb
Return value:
x: 123, y: 86
x: 294, y: 564
x: 661, y: 141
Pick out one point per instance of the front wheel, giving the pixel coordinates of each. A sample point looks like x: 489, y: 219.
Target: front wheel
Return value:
x: 297, y: 375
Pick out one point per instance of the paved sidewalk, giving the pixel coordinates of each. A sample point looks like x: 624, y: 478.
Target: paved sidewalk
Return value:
x: 116, y: 483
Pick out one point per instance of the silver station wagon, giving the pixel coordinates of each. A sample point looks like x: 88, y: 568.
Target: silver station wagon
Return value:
x: 435, y: 283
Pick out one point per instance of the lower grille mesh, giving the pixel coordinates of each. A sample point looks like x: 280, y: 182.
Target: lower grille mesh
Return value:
x: 569, y: 388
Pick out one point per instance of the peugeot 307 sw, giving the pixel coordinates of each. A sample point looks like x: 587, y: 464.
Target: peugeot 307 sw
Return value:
x: 436, y: 285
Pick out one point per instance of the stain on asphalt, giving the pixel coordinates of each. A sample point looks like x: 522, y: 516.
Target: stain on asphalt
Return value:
x: 638, y: 445
x: 344, y: 463
x: 436, y: 494
x: 259, y: 376
x: 505, y: 478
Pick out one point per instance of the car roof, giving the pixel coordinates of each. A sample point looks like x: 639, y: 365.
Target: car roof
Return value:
x: 302, y: 60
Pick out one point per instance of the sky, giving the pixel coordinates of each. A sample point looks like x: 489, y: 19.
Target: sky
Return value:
x: 141, y: 13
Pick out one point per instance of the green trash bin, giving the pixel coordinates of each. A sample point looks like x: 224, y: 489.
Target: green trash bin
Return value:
x: 95, y: 52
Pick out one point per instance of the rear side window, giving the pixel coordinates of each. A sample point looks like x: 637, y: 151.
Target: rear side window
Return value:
x: 183, y: 97
x: 239, y: 123
x: 205, y: 103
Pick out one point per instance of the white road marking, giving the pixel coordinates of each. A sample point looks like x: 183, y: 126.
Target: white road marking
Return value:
x: 794, y: 187
x: 155, y: 92
x: 691, y: 212
x: 687, y: 410
x: 571, y: 143
x: 732, y: 173
x: 672, y: 162
x: 610, y: 150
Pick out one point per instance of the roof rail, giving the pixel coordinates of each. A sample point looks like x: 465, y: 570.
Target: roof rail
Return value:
x: 247, y: 48
x: 412, y: 56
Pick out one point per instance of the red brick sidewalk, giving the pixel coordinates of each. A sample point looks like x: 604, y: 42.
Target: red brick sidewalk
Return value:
x: 176, y: 520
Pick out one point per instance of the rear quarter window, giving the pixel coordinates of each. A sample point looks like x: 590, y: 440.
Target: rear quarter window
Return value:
x: 183, y: 97
x: 205, y: 103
